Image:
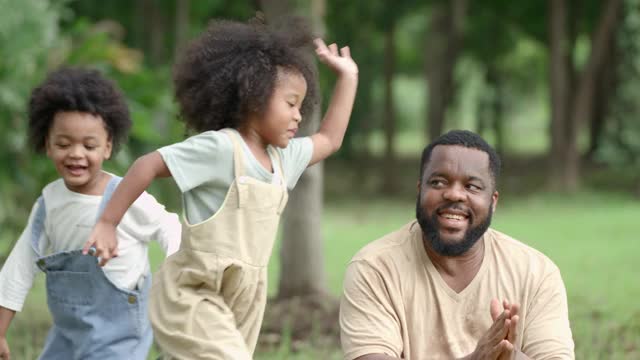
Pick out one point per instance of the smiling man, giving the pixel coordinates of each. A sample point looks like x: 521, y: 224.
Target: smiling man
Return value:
x: 446, y: 286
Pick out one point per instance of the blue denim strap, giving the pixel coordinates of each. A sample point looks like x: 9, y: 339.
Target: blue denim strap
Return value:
x: 37, y: 226
x: 108, y: 191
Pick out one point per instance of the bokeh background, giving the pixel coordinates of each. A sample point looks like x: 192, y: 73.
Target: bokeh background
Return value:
x: 553, y: 85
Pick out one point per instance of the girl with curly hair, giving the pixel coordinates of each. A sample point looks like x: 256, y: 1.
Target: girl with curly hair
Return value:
x: 79, y: 119
x: 245, y: 88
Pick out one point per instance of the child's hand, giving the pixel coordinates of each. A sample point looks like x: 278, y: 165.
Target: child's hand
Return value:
x: 340, y: 62
x: 4, y: 349
x: 103, y: 240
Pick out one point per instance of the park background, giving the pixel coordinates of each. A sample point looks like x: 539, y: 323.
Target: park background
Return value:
x: 553, y: 85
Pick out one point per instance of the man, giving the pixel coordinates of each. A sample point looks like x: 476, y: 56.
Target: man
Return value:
x: 446, y: 286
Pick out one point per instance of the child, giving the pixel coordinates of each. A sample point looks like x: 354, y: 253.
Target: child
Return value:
x: 78, y: 118
x: 243, y: 87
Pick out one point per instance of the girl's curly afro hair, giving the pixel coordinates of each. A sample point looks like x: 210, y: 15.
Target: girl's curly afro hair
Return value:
x: 231, y: 70
x: 77, y: 89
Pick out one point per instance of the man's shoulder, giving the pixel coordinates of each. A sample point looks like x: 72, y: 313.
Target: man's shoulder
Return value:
x: 391, y: 245
x: 505, y: 246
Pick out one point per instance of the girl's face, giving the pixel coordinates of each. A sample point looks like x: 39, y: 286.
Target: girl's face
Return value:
x: 281, y: 118
x: 78, y: 143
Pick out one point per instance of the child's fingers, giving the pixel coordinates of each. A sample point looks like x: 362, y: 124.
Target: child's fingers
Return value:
x: 87, y: 246
x: 334, y: 49
x: 319, y: 44
x: 345, y: 52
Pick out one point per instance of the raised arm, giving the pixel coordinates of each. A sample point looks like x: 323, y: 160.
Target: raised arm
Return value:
x: 329, y: 137
x: 136, y: 181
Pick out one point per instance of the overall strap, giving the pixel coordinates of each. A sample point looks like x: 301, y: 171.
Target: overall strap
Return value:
x: 283, y: 180
x: 238, y: 163
x: 238, y: 166
x: 108, y: 191
x: 37, y: 226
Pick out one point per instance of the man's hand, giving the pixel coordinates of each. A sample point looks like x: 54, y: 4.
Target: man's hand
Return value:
x: 4, y: 349
x: 494, y: 342
x: 103, y: 239
x: 512, y: 336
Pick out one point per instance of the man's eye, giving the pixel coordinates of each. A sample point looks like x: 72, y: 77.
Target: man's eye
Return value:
x: 90, y: 147
x: 62, y: 146
x: 436, y: 182
x: 474, y: 187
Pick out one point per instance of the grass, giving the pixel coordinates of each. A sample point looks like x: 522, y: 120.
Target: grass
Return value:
x: 592, y: 237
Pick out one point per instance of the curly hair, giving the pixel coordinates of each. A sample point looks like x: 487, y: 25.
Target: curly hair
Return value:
x: 77, y: 89
x: 231, y: 70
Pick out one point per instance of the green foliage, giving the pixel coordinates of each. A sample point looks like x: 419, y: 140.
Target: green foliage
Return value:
x: 29, y: 32
x: 621, y: 145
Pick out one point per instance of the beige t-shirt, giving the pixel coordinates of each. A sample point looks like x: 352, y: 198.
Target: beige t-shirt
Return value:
x: 396, y: 303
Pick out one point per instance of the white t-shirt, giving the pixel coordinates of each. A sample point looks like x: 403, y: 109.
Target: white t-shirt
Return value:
x: 70, y: 217
x: 202, y: 167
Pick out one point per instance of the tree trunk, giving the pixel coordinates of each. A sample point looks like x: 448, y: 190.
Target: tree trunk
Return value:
x: 441, y: 54
x: 388, y: 172
x: 301, y: 252
x: 581, y: 112
x: 559, y: 89
x: 605, y: 86
x: 182, y: 25
x: 156, y: 34
x: 497, y: 108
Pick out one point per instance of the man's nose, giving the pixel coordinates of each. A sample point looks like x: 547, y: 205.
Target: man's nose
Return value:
x: 454, y: 193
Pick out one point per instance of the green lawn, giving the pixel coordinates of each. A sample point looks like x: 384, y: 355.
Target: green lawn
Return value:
x: 593, y: 238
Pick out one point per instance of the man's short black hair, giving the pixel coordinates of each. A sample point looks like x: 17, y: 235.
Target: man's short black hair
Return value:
x: 467, y: 139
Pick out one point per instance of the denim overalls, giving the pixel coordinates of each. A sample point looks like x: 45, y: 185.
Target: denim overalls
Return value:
x: 92, y: 318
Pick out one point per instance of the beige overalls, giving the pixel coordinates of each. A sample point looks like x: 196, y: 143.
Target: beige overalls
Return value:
x: 207, y: 300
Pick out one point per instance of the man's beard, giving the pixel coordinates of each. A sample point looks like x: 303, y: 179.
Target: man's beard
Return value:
x: 430, y: 229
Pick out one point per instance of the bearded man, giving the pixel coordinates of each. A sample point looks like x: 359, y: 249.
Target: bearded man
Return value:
x: 446, y: 286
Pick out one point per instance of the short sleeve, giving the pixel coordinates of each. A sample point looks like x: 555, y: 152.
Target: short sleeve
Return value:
x: 198, y: 159
x: 368, y: 321
x: 547, y: 334
x: 295, y: 159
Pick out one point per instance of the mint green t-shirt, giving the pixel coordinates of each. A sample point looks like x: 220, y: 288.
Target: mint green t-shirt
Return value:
x: 202, y: 167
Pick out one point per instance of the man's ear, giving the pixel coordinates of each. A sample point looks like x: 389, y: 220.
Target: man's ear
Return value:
x: 418, y: 186
x: 494, y: 200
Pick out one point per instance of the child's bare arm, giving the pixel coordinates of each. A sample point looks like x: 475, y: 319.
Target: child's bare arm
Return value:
x: 6, y: 315
x: 329, y: 137
x: 136, y: 181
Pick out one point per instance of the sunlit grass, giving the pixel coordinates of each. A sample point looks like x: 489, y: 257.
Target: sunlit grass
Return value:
x: 593, y: 238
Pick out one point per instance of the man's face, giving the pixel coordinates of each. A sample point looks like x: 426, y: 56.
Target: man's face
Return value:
x: 456, y: 199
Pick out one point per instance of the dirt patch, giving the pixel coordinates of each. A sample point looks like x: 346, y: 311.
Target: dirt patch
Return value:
x: 301, y: 321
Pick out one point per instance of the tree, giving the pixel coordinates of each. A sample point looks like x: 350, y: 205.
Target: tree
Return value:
x: 442, y: 49
x: 29, y: 43
x: 572, y: 108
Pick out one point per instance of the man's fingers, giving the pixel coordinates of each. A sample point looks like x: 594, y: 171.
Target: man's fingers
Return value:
x: 494, y: 309
x: 499, y: 329
x: 513, y: 329
x: 514, y: 309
